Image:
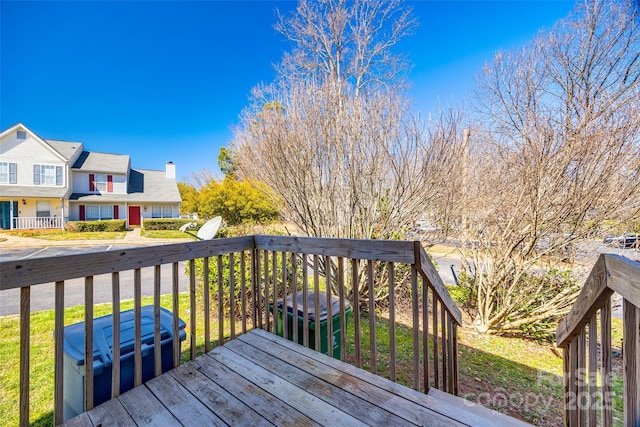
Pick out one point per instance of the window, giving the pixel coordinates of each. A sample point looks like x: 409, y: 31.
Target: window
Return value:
x: 43, y: 209
x: 8, y: 173
x: 47, y: 175
x: 98, y: 212
x: 101, y: 182
x: 165, y: 211
x: 21, y: 134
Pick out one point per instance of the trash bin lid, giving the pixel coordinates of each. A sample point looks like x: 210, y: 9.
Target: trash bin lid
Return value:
x: 322, y: 305
x: 103, y: 334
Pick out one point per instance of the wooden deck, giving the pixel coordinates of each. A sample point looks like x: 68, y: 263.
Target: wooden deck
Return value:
x: 262, y: 379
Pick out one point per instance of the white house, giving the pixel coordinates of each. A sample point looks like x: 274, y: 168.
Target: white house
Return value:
x: 44, y: 183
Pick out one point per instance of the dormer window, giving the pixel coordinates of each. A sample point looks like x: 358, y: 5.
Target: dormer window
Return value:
x: 21, y: 134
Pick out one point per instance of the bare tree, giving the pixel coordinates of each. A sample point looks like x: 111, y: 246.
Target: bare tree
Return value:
x: 555, y: 154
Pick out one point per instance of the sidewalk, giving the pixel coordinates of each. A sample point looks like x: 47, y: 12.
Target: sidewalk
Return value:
x: 132, y: 238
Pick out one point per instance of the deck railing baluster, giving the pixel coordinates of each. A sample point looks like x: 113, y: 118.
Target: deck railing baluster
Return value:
x: 176, y: 309
x: 328, y: 278
x: 274, y: 278
x: 316, y: 301
x: 305, y: 302
x: 243, y: 292
x: 436, y: 338
x: 115, y: 351
x: 25, y: 346
x: 207, y: 304
x: 137, y: 327
x: 343, y: 320
x: 157, y: 356
x: 59, y: 353
x: 220, y: 302
x: 192, y: 309
x: 232, y: 295
x: 425, y: 336
x: 606, y: 368
x: 355, y: 277
x: 285, y: 317
x: 392, y: 325
x: 373, y: 354
x: 415, y: 317
x: 88, y: 343
x: 266, y: 291
x: 294, y: 296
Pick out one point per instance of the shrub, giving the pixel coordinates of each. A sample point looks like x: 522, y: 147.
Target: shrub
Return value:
x: 96, y: 226
x: 169, y: 224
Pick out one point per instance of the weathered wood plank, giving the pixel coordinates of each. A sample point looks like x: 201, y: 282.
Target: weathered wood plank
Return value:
x: 298, y: 398
x: 296, y: 375
x: 88, y: 343
x: 606, y: 367
x: 593, y: 370
x: 427, y: 270
x: 176, y: 309
x: 356, y: 311
x: 631, y: 357
x: 375, y: 250
x: 181, y: 403
x: 415, y: 327
x: 455, y: 410
x: 137, y: 327
x: 81, y: 420
x: 192, y: 309
x: 593, y: 295
x: 425, y: 336
x: 263, y: 402
x: 145, y: 409
x: 226, y: 406
x: 25, y: 347
x: 624, y: 277
x: 27, y: 272
x: 110, y: 413
x: 373, y: 356
x: 58, y: 339
x: 371, y: 394
x: 115, y: 351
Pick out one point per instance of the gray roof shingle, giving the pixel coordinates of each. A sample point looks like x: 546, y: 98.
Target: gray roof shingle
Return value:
x: 145, y: 186
x: 90, y: 161
x: 66, y: 148
x: 22, y: 191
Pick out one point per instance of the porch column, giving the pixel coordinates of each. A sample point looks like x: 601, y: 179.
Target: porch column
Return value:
x: 62, y: 213
x: 10, y: 214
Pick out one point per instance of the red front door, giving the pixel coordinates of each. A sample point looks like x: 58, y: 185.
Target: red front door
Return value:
x: 134, y: 215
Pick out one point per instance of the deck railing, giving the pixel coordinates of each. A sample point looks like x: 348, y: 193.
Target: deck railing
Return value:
x: 31, y: 223
x: 237, y: 283
x: 586, y: 338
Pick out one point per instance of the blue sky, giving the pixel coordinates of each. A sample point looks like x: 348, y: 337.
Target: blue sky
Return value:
x: 166, y: 80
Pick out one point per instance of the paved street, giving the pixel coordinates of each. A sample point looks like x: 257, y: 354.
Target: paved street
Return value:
x: 42, y: 296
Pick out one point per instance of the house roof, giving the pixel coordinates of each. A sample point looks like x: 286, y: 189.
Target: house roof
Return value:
x: 145, y: 186
x: 67, y: 148
x: 35, y: 136
x: 22, y: 191
x: 91, y: 161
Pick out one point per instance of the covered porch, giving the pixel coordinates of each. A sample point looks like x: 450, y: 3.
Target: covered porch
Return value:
x: 33, y: 207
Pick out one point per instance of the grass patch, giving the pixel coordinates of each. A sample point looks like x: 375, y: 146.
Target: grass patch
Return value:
x: 165, y: 234
x: 60, y: 235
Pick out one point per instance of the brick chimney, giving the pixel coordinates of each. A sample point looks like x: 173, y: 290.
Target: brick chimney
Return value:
x: 171, y: 170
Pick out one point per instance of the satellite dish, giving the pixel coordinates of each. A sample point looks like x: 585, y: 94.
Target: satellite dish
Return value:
x: 209, y: 229
x: 187, y: 226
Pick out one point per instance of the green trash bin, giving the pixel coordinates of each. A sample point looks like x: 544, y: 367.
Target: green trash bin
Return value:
x: 322, y: 300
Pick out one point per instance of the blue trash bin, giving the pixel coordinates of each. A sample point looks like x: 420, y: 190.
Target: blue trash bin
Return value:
x: 74, y: 371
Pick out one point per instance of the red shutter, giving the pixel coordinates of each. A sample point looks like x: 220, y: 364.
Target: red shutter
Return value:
x: 92, y: 186
x: 109, y: 183
x: 82, y: 213
x: 115, y: 211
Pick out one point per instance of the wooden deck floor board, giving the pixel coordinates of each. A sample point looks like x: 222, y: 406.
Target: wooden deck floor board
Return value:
x: 262, y: 379
x: 335, y: 396
x: 227, y: 406
x: 358, y: 397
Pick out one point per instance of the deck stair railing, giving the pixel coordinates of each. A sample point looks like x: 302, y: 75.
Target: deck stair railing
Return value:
x: 586, y: 338
x: 236, y: 283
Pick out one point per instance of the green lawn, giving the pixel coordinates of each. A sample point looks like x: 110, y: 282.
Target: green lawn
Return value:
x: 166, y: 234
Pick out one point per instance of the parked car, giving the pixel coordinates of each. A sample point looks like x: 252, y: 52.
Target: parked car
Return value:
x: 627, y: 240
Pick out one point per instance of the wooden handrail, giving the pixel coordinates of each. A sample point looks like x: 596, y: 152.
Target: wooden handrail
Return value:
x: 426, y: 268
x: 587, y: 397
